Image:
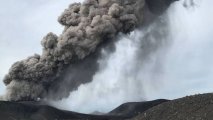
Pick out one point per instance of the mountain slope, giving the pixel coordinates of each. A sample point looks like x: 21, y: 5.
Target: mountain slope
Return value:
x: 198, y: 107
x: 35, y: 111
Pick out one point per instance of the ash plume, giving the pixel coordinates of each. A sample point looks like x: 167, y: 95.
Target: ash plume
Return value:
x: 86, y: 26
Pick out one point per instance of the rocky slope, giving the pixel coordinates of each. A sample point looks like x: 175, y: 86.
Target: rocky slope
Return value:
x: 35, y: 111
x: 198, y: 107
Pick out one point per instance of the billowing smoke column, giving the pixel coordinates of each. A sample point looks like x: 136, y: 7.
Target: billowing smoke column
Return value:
x: 87, y: 25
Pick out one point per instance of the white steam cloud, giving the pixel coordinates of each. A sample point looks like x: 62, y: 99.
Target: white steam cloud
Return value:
x: 125, y: 75
x: 181, y: 65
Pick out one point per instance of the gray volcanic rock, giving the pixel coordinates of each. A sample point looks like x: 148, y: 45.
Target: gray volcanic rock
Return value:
x: 37, y: 111
x: 198, y: 107
x: 132, y: 109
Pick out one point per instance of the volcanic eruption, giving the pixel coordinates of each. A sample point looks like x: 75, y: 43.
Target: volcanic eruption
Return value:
x: 87, y: 26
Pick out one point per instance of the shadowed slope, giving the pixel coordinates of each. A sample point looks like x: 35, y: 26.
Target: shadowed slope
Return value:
x: 35, y: 111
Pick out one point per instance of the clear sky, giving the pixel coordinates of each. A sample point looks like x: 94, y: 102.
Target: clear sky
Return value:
x: 23, y: 23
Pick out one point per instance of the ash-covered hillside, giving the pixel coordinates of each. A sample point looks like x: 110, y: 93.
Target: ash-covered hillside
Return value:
x: 198, y: 107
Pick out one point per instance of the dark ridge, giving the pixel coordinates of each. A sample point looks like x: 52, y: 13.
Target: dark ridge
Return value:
x: 132, y: 109
x: 198, y: 107
x: 37, y: 111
